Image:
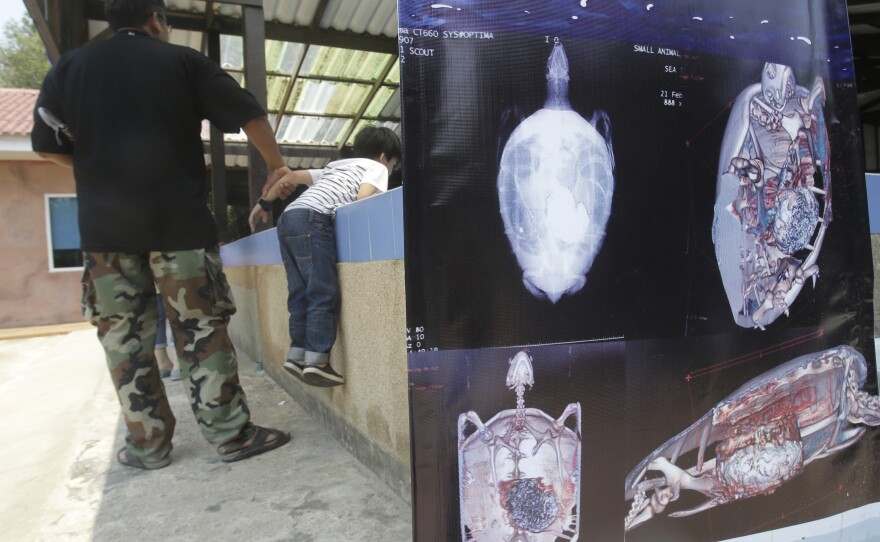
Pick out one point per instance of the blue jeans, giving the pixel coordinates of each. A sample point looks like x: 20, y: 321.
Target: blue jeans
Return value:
x: 162, y: 337
x: 308, y: 249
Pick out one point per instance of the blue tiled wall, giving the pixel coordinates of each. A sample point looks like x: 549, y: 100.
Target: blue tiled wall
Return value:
x: 872, y: 181
x: 371, y: 229
x: 257, y: 249
x: 366, y: 230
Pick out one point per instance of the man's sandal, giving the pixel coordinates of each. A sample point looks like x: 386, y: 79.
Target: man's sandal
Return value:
x: 125, y: 457
x: 254, y: 444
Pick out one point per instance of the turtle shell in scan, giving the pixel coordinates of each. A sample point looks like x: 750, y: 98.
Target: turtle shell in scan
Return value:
x: 554, y: 186
x: 773, y: 196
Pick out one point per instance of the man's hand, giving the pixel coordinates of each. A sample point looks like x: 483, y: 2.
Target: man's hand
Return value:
x: 257, y: 215
x: 273, y: 177
x: 283, y: 189
x: 262, y: 136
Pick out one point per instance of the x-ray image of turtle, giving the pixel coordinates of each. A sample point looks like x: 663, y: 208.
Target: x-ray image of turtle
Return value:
x: 554, y: 187
x: 519, y: 473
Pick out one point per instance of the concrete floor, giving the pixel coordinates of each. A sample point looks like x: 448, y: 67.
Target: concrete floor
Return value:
x: 59, y: 479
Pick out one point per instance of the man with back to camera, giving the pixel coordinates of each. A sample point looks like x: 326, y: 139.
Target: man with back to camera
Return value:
x: 133, y: 106
x: 308, y: 246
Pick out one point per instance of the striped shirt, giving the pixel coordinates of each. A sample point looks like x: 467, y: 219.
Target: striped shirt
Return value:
x: 338, y: 184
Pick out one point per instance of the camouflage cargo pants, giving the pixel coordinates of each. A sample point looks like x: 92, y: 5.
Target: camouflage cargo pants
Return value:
x: 118, y: 297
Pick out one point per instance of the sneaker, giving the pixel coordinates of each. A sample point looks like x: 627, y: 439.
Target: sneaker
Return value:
x: 322, y: 375
x: 175, y: 374
x: 294, y: 367
x: 164, y: 373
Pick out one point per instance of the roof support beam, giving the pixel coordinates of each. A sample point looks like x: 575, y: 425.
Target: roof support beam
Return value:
x: 219, y: 198
x: 306, y: 151
x: 72, y: 29
x: 255, y: 81
x: 43, y: 30
x: 331, y: 38
x: 319, y: 14
x: 870, y: 104
x: 209, y: 20
x: 282, y: 106
x: 870, y: 19
x: 330, y: 78
x: 232, y: 148
x: 341, y: 116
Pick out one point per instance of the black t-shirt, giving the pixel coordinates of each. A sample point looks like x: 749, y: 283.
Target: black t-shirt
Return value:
x: 134, y: 105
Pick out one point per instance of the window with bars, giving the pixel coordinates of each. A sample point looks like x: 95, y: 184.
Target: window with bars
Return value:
x: 62, y: 230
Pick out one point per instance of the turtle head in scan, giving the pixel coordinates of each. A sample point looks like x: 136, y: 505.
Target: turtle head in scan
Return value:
x: 557, y: 79
x: 777, y: 84
x: 520, y: 372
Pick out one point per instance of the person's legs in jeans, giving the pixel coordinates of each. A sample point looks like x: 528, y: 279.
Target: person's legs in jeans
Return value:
x: 125, y: 307
x: 322, y: 290
x: 166, y: 358
x: 199, y: 305
x: 308, y: 248
x: 290, y: 226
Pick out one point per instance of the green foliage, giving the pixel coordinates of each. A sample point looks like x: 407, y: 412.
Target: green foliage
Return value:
x: 237, y: 223
x: 23, y: 62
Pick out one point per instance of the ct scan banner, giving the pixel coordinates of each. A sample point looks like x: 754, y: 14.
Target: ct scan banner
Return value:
x: 638, y: 272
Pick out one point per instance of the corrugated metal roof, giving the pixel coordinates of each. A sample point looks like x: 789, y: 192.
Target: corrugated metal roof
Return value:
x: 373, y: 17
x: 376, y: 17
x: 17, y: 111
x: 322, y: 87
x: 312, y: 130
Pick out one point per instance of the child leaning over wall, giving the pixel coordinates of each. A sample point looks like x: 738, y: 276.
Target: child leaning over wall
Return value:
x: 308, y: 246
